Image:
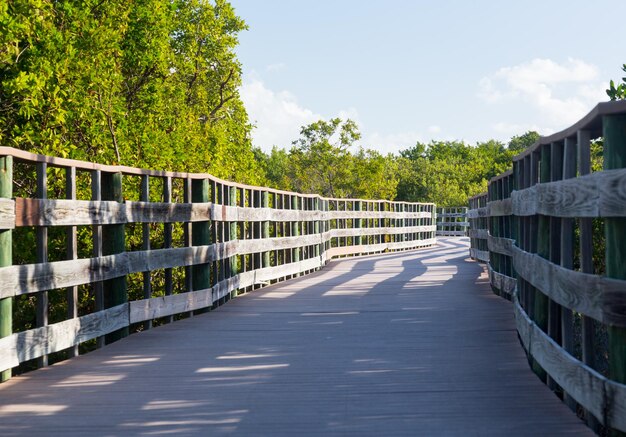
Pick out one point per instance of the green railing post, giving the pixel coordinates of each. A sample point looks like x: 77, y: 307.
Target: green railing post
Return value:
x: 234, y: 265
x: 316, y: 225
x: 357, y: 221
x: 200, y: 236
x: 265, y: 230
x: 295, y: 204
x: 113, y: 242
x: 615, y: 232
x: 541, y: 303
x: 6, y: 254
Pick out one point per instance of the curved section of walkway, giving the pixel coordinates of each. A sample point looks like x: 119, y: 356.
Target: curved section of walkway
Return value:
x: 410, y: 343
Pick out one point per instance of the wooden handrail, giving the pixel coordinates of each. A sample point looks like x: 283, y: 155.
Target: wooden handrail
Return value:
x: 235, y: 238
x: 452, y: 221
x: 526, y: 220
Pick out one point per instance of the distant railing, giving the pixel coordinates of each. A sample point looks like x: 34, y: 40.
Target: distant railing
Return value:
x: 571, y: 318
x: 477, y: 216
x: 202, y: 239
x: 452, y: 222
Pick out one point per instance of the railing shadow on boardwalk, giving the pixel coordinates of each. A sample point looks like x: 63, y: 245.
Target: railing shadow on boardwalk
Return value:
x: 306, y: 355
x: 252, y: 365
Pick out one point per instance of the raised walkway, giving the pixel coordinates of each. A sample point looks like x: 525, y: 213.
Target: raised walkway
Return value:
x: 408, y: 343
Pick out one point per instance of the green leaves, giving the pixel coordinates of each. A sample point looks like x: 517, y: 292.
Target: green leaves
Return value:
x: 447, y: 173
x: 146, y: 83
x: 617, y: 92
x: 321, y: 161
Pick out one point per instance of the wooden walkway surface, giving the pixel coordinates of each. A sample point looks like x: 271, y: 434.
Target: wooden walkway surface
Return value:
x: 409, y: 343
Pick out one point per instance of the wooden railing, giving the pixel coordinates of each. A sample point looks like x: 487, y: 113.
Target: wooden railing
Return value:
x: 567, y: 281
x: 477, y: 216
x: 452, y: 222
x: 202, y: 240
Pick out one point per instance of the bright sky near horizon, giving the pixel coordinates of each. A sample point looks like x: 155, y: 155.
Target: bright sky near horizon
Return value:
x: 409, y: 71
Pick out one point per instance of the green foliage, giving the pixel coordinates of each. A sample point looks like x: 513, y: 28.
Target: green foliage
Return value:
x: 447, y: 173
x: 143, y: 83
x: 276, y: 166
x: 321, y: 161
x: 146, y: 83
x: 617, y: 92
x: 519, y: 143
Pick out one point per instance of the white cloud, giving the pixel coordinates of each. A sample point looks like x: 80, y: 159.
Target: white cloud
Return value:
x: 508, y: 130
x: 277, y: 115
x: 561, y: 93
x: 352, y: 114
x: 392, y: 143
x: 272, y: 68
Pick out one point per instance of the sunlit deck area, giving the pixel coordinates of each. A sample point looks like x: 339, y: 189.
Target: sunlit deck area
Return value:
x: 409, y: 343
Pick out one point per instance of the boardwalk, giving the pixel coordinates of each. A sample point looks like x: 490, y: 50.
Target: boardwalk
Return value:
x: 409, y: 343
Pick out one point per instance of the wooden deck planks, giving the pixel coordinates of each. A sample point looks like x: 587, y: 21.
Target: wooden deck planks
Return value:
x: 409, y: 343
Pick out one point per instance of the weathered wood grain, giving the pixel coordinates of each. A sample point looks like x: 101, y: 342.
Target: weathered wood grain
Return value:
x: 501, y: 245
x: 478, y: 213
x: 66, y: 212
x: 7, y: 213
x: 267, y: 274
x: 481, y: 255
x: 42, y: 212
x: 595, y: 296
x: 377, y: 248
x: 380, y: 231
x: 238, y: 213
x: 451, y: 214
x: 451, y: 233
x: 581, y: 382
x: 334, y: 252
x: 8, y: 352
x: 31, y: 278
x: 63, y: 212
x: 148, y: 309
x: 592, y: 390
x: 499, y: 208
x: 616, y: 398
x: 599, y: 194
x: 244, y: 247
x: 523, y: 325
x: 34, y: 343
x: 334, y: 215
x: 502, y: 282
x: 481, y: 234
x: 463, y: 224
x: 403, y: 245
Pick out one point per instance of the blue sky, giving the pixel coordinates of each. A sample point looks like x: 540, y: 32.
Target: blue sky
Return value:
x: 410, y: 71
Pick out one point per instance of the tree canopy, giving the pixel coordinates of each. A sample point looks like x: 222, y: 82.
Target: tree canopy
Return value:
x: 155, y: 83
x: 150, y: 83
x: 448, y: 172
x: 326, y: 160
x: 617, y: 92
